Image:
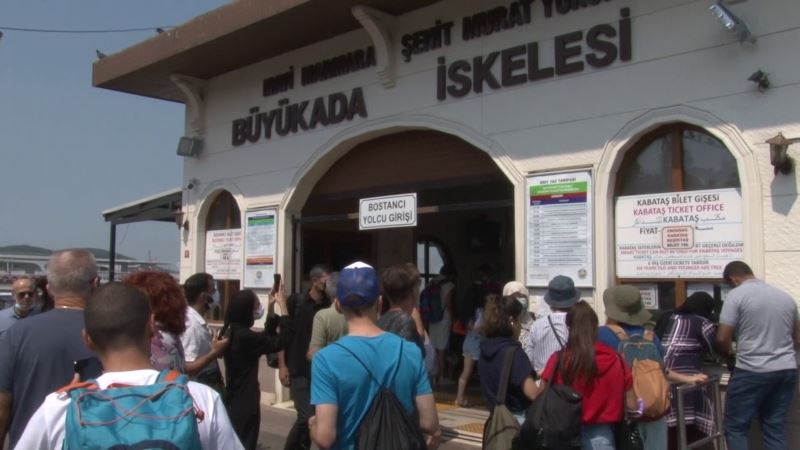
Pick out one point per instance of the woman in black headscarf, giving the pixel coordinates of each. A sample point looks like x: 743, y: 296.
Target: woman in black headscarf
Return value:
x: 688, y: 337
x: 242, y: 391
x: 699, y: 304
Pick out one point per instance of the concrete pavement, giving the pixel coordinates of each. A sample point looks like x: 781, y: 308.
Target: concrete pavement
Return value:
x: 276, y: 423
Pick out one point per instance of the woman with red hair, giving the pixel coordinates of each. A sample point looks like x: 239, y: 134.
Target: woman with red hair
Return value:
x: 169, y: 309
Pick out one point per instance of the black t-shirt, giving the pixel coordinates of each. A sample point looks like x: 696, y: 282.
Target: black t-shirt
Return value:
x: 302, y: 322
x: 37, y: 358
x: 241, y: 363
x: 402, y: 324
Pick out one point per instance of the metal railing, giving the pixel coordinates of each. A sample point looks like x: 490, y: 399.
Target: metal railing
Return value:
x: 717, y: 437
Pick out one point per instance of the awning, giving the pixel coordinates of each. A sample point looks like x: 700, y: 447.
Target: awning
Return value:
x: 230, y: 37
x: 159, y: 207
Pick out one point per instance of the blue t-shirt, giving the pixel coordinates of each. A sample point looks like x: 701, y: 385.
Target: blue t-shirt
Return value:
x: 606, y: 336
x: 337, y: 378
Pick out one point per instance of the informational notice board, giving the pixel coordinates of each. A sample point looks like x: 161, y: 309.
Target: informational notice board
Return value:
x: 691, y: 234
x: 261, y: 232
x: 559, y: 228
x: 224, y: 254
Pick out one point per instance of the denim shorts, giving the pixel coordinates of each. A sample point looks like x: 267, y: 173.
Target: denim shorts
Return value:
x: 472, y: 346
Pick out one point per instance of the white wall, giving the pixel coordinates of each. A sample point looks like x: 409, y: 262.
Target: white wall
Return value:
x: 685, y: 66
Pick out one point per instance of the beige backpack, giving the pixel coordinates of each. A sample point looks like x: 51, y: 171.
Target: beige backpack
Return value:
x: 647, y: 367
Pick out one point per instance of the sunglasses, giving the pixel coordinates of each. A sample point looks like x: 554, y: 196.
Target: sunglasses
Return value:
x: 26, y: 294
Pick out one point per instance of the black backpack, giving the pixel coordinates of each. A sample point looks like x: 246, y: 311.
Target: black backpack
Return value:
x: 387, y: 425
x: 553, y: 421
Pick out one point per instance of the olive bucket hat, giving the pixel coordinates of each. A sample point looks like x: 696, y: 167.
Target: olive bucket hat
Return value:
x: 624, y: 304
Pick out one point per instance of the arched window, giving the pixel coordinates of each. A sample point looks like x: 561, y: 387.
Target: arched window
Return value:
x: 223, y: 214
x: 431, y: 256
x: 656, y: 223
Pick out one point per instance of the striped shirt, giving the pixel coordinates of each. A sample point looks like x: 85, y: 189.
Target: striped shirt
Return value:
x: 542, y: 341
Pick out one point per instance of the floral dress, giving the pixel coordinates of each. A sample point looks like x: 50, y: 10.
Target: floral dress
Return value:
x: 166, y: 351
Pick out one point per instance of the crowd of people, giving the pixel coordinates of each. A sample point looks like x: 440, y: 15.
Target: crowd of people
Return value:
x: 358, y: 340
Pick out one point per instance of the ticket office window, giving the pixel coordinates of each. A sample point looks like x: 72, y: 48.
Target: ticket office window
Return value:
x: 431, y: 257
x: 674, y: 158
x: 223, y: 214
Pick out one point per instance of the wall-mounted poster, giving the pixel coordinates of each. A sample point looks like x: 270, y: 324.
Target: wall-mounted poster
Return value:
x: 260, y: 247
x: 649, y: 293
x: 691, y: 234
x: 559, y: 228
x: 224, y: 254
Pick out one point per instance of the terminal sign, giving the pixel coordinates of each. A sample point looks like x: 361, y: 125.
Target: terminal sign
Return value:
x: 393, y: 211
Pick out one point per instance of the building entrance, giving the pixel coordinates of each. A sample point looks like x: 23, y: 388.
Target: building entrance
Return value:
x: 464, y: 216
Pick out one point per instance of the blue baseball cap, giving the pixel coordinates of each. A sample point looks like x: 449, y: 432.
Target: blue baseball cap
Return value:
x: 358, y: 285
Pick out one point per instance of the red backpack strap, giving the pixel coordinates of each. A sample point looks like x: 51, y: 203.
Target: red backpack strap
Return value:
x: 172, y: 375
x: 78, y: 385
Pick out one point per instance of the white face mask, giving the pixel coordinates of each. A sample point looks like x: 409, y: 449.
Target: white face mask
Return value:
x: 524, y: 301
x: 214, y: 298
x: 25, y: 304
x: 23, y: 307
x: 258, y: 312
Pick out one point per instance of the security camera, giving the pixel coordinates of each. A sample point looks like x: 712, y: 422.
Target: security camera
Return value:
x: 192, y: 183
x: 761, y: 79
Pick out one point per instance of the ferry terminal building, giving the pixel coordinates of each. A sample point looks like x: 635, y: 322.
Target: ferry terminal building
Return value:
x: 614, y: 141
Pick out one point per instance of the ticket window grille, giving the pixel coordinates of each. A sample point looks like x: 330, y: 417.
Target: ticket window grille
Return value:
x: 674, y: 158
x: 223, y: 214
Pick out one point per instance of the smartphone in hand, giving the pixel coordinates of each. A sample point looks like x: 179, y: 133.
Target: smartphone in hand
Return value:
x: 276, y: 284
x: 224, y: 332
x: 87, y: 368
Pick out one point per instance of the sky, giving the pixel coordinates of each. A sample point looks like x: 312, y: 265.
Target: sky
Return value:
x: 69, y: 151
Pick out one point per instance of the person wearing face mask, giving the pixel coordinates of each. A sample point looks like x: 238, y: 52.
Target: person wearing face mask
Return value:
x: 201, y: 348
x: 242, y: 392
x: 501, y: 327
x: 520, y: 292
x: 294, y: 368
x: 24, y: 292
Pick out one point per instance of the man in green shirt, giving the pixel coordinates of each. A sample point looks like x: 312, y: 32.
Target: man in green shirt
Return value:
x: 329, y: 324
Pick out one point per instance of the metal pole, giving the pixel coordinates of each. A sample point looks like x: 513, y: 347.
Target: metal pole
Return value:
x: 112, y: 252
x: 717, y: 437
x: 681, y: 421
x: 721, y: 443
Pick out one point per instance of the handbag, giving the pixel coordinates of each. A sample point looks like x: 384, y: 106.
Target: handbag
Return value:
x: 271, y: 329
x: 627, y: 436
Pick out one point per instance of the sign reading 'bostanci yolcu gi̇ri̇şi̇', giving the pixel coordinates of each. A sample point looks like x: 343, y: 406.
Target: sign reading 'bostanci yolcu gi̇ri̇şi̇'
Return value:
x: 392, y: 211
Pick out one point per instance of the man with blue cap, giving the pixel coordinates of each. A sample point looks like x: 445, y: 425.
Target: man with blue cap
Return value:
x: 342, y: 374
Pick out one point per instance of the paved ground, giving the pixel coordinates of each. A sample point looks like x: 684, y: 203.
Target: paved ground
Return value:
x: 275, y: 425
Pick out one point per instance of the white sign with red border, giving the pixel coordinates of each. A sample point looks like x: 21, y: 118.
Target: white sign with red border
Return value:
x: 691, y: 234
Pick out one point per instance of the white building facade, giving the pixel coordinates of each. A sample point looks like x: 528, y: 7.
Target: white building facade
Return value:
x: 554, y: 93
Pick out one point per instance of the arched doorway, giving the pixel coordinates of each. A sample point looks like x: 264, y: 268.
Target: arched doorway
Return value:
x: 465, y: 204
x: 678, y: 215
x: 465, y: 213
x: 223, y: 238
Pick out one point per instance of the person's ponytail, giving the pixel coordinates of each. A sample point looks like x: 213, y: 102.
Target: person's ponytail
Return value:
x: 582, y: 323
